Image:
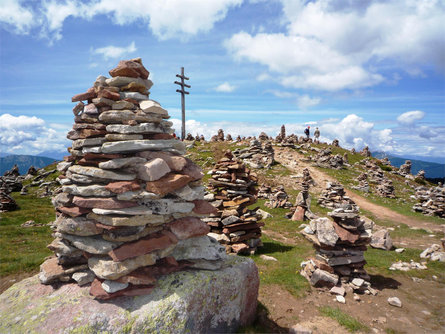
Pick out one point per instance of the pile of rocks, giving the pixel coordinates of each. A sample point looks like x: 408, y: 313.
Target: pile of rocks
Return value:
x: 405, y: 266
x: 363, y: 184
x: 334, y: 196
x: 276, y: 197
x: 420, y: 176
x: 11, y: 181
x: 431, y: 201
x: 325, y: 159
x: 365, y: 152
x: 302, y: 208
x: 257, y: 155
x: 282, y: 135
x: 385, y: 189
x: 130, y: 203
x: 434, y: 253
x: 233, y: 190
x: 335, y: 143
x: 218, y: 137
x: 229, y: 137
x: 405, y: 169
x: 7, y: 203
x: 340, y: 245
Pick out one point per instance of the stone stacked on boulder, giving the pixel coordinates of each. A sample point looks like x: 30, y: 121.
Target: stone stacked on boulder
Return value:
x: 325, y: 159
x: 431, y: 201
x: 257, y: 155
x: 405, y: 169
x: 130, y: 207
x: 334, y: 196
x: 340, y: 245
x: 233, y: 190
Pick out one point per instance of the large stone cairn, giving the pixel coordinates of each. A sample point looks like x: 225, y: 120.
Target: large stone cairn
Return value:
x: 325, y: 159
x: 405, y: 169
x: 431, y: 201
x: 340, y: 245
x: 130, y: 203
x: 257, y: 155
x: 334, y: 196
x: 233, y: 190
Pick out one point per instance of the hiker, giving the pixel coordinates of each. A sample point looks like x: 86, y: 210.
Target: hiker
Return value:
x: 316, y: 133
x: 306, y: 132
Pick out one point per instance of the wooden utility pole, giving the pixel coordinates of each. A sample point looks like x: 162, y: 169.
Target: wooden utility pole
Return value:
x: 183, y: 85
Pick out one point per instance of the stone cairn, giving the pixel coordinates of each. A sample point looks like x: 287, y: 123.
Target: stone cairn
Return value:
x: 431, y: 201
x: 256, y: 155
x: 282, y: 135
x: 334, y: 196
x: 365, y: 152
x: 7, y: 203
x: 385, y: 189
x: 325, y: 159
x: 233, y: 190
x: 420, y: 176
x: 189, y: 137
x: 405, y: 169
x: 302, y: 209
x: 276, y: 197
x: 263, y: 136
x: 229, y: 137
x: 340, y: 245
x: 130, y: 203
x: 363, y: 184
x: 335, y: 143
x: 220, y: 135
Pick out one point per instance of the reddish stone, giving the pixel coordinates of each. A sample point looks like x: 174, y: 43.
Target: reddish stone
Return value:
x: 123, y: 186
x: 102, y: 203
x: 51, y: 267
x: 143, y: 246
x: 88, y: 95
x: 299, y: 214
x: 85, y: 133
x: 128, y: 68
x: 93, y: 163
x: 323, y: 266
x: 108, y: 227
x: 102, y: 156
x: 160, y: 136
x: 188, y: 227
x: 241, y: 227
x: 247, y: 236
x: 109, y: 95
x: 98, y: 292
x: 240, y: 248
x: 96, y: 126
x: 345, y: 235
x: 192, y: 170
x: 168, y: 183
x: 74, y: 211
x: 86, y: 118
x: 203, y: 207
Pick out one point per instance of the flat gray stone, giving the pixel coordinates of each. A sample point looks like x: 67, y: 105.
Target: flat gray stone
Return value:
x: 199, y: 248
x: 123, y: 81
x: 189, y: 194
x: 101, y: 174
x: 166, y: 206
x: 133, y: 95
x: 79, y: 143
x: 117, y: 116
x: 140, y: 220
x: 326, y: 232
x: 121, y: 163
x: 121, y: 136
x: 113, y: 286
x: 144, y: 128
x: 150, y: 106
x: 129, y: 146
x: 86, y: 191
x: 83, y: 277
x: 93, y: 244
x: 135, y: 211
x: 80, y: 226
x: 122, y: 104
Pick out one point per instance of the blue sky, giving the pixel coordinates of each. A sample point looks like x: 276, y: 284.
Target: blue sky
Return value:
x: 365, y: 72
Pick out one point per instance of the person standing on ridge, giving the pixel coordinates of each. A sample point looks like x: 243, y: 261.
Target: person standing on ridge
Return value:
x: 316, y: 133
x: 306, y: 132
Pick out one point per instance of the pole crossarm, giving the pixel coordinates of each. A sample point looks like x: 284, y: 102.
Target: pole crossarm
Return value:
x: 183, y: 92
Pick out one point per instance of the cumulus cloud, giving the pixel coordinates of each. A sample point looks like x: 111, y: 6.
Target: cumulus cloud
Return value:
x: 410, y: 117
x: 225, y: 88
x: 166, y: 19
x: 305, y: 101
x: 114, y: 52
x: 330, y: 47
x: 30, y: 135
x: 16, y: 17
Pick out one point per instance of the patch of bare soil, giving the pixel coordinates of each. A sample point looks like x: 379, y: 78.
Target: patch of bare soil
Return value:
x: 7, y: 281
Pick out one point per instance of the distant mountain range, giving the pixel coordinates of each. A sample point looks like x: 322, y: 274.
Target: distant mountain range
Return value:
x: 432, y: 169
x: 23, y: 162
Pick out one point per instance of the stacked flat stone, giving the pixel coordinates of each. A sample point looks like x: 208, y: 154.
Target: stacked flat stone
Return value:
x: 420, y: 175
x: 365, y: 152
x: 385, y: 189
x: 229, y: 137
x: 405, y: 169
x: 189, y: 137
x: 220, y: 135
x: 431, y: 201
x: 282, y: 135
x: 363, y: 184
x: 257, y: 155
x: 130, y: 203
x: 263, y: 136
x: 335, y: 143
x: 302, y: 208
x: 325, y: 159
x: 234, y: 225
x: 7, y: 203
x: 385, y: 161
x: 340, y: 245
x: 334, y: 196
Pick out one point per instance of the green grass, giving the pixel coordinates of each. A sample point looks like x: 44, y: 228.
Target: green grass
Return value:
x: 24, y: 249
x: 344, y: 319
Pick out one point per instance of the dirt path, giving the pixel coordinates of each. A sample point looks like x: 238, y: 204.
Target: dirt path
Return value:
x: 289, y: 158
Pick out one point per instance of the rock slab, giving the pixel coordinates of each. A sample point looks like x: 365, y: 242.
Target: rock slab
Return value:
x: 187, y: 301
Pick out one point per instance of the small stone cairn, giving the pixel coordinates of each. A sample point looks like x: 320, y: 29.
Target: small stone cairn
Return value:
x: 7, y: 203
x: 189, y: 137
x: 420, y: 176
x: 405, y: 169
x: 263, y: 136
x: 365, y: 152
x: 340, y: 245
x: 130, y: 207
x: 257, y: 155
x: 229, y: 137
x: 334, y: 196
x: 431, y: 201
x: 335, y: 143
x: 220, y: 135
x: 282, y: 135
x: 276, y: 197
x: 325, y: 159
x: 233, y: 190
x: 363, y: 184
x: 385, y: 189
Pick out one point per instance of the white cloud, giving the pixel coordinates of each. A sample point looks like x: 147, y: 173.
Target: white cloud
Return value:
x: 410, y: 117
x: 330, y: 45
x: 225, y: 88
x: 14, y: 15
x: 30, y: 135
x: 114, y: 52
x: 306, y: 101
x: 166, y: 19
